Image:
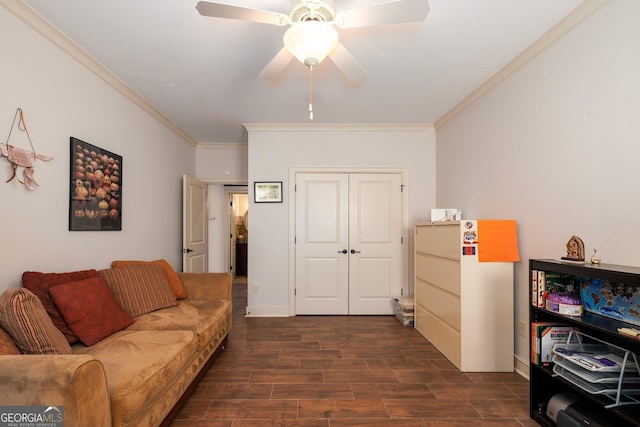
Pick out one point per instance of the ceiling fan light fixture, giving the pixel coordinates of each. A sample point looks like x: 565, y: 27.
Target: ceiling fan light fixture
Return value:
x: 311, y: 41
x: 313, y: 10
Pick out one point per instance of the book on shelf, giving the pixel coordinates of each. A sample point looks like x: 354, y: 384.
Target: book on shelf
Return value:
x: 632, y: 332
x: 544, y: 335
x: 544, y: 282
x: 541, y: 287
x: 534, y: 288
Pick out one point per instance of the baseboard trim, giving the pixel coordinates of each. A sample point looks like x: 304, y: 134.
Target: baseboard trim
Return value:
x: 521, y: 366
x: 267, y: 311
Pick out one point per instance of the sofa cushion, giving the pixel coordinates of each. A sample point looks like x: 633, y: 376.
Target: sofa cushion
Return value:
x: 140, y: 367
x: 203, y: 317
x: 207, y: 285
x: 24, y: 317
x: 90, y: 309
x: 140, y: 288
x: 7, y: 344
x: 172, y: 277
x: 39, y: 284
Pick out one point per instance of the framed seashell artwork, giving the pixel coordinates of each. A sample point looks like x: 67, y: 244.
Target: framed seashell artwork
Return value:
x: 95, y: 188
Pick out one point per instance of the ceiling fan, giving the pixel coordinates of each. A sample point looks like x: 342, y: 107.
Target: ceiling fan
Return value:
x: 312, y: 35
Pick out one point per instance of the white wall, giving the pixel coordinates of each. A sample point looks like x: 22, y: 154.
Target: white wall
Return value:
x: 220, y: 164
x: 274, y: 150
x: 218, y: 232
x: 556, y: 147
x: 61, y: 98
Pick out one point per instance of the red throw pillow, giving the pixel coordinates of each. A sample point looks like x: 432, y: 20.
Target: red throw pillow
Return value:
x: 39, y: 284
x: 90, y: 309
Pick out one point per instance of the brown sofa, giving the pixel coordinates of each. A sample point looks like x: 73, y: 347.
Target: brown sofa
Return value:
x: 137, y: 376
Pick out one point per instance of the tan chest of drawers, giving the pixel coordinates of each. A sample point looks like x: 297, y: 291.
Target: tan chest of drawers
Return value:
x: 462, y: 306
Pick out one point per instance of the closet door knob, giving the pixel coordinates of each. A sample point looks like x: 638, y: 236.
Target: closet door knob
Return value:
x: 344, y: 251
x: 353, y: 251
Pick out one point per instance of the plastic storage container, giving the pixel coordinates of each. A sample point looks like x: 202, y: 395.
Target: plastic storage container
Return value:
x: 403, y: 309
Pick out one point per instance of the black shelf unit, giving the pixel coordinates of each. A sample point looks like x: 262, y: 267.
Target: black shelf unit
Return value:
x: 543, y: 385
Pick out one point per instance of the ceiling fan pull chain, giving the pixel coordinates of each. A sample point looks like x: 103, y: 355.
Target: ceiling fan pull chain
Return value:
x: 311, y: 92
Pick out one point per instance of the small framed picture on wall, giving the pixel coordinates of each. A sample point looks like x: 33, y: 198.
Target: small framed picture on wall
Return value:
x: 267, y: 192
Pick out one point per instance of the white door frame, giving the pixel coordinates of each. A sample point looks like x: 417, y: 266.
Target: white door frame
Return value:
x: 404, y: 253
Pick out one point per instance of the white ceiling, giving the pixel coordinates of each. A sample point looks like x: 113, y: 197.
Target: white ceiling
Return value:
x: 203, y: 73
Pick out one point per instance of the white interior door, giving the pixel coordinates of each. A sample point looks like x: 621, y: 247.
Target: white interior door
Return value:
x: 195, y: 255
x: 375, y: 242
x: 348, y: 243
x: 322, y: 275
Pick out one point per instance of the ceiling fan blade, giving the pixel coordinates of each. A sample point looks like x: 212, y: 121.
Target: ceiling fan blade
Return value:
x: 274, y: 69
x: 396, y: 12
x: 219, y: 10
x: 347, y: 64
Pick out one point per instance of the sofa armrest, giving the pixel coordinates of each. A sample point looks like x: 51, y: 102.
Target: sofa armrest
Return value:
x: 76, y: 382
x: 207, y: 285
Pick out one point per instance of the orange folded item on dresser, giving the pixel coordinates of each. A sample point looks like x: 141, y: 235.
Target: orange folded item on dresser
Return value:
x: 497, y: 241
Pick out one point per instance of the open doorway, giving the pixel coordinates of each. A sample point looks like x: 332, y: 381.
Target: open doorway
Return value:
x: 239, y: 233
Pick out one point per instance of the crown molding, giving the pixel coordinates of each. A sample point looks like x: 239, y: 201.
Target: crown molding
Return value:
x: 569, y: 22
x: 46, y: 29
x: 30, y: 17
x: 338, y: 127
x: 222, y: 146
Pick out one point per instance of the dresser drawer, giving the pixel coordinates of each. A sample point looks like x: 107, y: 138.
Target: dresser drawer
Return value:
x: 441, y: 272
x: 420, y: 293
x: 442, y: 304
x: 442, y: 240
x: 441, y: 335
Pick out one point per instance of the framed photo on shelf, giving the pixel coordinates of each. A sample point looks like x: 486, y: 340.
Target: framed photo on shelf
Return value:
x: 267, y: 192
x: 95, y: 188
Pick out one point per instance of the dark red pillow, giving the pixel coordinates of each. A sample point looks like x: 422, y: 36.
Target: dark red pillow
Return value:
x: 40, y: 283
x: 90, y: 309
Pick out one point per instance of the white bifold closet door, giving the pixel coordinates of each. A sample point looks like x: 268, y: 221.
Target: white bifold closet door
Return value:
x: 348, y: 243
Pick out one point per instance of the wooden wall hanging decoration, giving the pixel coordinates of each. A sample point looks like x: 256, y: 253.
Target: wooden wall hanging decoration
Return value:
x: 19, y: 157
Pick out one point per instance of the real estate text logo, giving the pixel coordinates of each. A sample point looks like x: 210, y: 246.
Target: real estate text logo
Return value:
x: 31, y: 416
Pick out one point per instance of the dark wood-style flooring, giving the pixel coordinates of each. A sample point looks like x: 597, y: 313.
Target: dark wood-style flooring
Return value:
x: 338, y: 371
